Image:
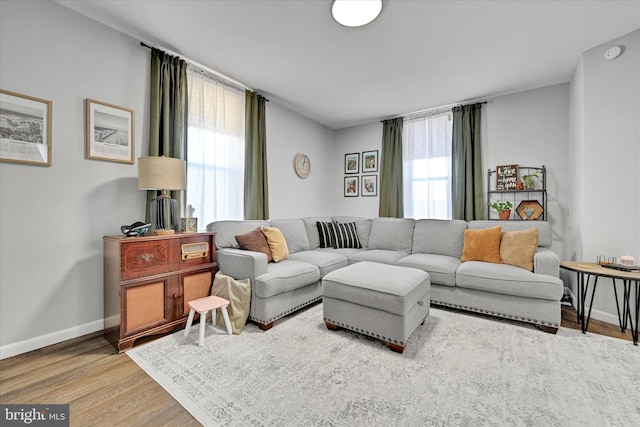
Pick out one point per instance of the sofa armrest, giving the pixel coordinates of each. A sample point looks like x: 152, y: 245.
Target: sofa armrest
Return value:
x: 241, y: 264
x: 545, y: 261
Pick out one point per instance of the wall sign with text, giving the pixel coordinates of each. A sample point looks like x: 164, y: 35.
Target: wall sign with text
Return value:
x: 506, y: 177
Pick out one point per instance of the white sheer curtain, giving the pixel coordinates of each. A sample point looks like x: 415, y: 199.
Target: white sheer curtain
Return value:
x: 215, y: 148
x: 426, y: 152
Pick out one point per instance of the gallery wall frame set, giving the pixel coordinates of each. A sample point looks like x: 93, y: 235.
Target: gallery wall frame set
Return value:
x: 110, y: 132
x: 25, y: 129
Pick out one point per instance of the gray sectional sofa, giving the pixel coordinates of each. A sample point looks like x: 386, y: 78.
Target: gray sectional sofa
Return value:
x: 434, y: 246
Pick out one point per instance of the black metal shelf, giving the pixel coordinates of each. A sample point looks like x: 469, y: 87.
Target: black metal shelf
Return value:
x: 519, y: 196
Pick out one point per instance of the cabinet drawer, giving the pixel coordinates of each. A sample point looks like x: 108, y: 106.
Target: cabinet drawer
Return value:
x: 140, y: 259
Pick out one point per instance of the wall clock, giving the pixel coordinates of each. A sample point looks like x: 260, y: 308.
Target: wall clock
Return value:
x: 302, y: 165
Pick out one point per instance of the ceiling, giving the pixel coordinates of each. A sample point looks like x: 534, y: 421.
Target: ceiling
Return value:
x: 417, y: 55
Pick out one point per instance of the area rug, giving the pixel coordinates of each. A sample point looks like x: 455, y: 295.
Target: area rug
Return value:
x: 458, y: 370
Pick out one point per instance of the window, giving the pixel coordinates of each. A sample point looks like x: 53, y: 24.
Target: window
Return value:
x: 426, y: 152
x: 215, y: 148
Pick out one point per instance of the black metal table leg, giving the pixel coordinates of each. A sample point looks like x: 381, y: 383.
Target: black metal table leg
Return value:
x: 634, y: 328
x: 579, y: 308
x: 585, y: 325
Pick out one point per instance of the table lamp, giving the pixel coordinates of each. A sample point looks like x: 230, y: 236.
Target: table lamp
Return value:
x: 162, y: 173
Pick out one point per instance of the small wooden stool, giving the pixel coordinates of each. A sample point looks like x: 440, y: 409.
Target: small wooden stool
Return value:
x: 204, y: 305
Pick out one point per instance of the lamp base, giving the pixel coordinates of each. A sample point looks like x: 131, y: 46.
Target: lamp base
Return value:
x: 164, y: 215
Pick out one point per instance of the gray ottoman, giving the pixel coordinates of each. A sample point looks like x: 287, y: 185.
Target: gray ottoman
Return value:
x: 383, y: 301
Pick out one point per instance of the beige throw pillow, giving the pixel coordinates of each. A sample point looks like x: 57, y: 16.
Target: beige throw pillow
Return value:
x: 519, y: 247
x: 277, y: 243
x: 482, y: 245
x: 238, y: 293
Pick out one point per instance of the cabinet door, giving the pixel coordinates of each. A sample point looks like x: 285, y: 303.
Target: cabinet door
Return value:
x: 195, y: 286
x: 144, y: 305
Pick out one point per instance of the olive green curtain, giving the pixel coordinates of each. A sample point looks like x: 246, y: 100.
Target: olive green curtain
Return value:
x: 167, y: 112
x: 391, y: 186
x: 467, y: 193
x: 256, y: 185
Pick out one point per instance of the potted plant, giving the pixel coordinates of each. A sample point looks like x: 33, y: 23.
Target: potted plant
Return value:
x: 503, y: 208
x: 529, y: 183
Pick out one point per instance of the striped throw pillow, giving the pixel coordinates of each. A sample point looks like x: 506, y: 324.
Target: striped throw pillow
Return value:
x: 345, y: 235
x: 325, y: 233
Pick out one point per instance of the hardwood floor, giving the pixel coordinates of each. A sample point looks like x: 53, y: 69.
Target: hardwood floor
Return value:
x: 106, y: 388
x: 100, y: 386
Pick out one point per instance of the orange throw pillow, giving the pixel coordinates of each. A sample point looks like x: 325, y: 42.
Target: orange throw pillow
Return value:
x: 519, y: 247
x: 482, y: 245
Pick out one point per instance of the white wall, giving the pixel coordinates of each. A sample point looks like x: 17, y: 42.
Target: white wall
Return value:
x: 356, y: 139
x: 289, y: 133
x: 606, y: 144
x: 528, y: 128
x: 531, y: 128
x: 52, y: 219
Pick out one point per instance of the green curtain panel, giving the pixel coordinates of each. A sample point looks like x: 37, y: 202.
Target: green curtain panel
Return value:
x: 256, y: 185
x: 168, y: 112
x: 391, y: 187
x: 467, y: 193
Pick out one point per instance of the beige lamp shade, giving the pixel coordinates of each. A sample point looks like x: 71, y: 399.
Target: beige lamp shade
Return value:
x: 161, y: 173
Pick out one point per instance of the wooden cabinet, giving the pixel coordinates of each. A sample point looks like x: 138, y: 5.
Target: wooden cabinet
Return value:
x: 149, y: 281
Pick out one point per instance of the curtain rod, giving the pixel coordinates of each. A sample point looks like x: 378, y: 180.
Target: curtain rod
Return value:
x: 436, y: 109
x: 201, y: 66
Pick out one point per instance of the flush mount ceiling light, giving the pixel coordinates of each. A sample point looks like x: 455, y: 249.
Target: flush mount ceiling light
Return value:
x: 355, y: 13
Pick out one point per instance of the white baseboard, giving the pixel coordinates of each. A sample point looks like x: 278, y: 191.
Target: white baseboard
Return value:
x: 35, y: 343
x: 596, y: 314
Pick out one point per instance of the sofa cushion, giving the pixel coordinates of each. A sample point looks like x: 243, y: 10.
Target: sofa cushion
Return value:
x: 378, y: 255
x: 277, y: 243
x: 363, y: 225
x: 544, y: 228
x: 228, y: 230
x: 294, y: 232
x: 395, y: 234
x: 440, y: 237
x: 312, y: 229
x: 519, y: 247
x: 345, y: 235
x: 482, y: 245
x: 441, y: 268
x: 285, y: 276
x: 324, y: 260
x: 255, y: 241
x: 508, y: 280
x: 367, y: 284
x: 325, y: 234
x: 346, y: 252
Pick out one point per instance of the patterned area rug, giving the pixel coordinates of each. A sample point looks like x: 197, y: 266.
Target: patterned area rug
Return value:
x: 458, y: 370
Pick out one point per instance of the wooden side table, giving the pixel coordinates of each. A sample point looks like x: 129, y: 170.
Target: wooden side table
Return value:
x: 586, y: 272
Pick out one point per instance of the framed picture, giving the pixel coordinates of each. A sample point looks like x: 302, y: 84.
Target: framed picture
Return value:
x: 369, y: 185
x: 25, y: 129
x: 350, y: 186
x: 370, y: 161
x: 110, y: 132
x: 352, y: 163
